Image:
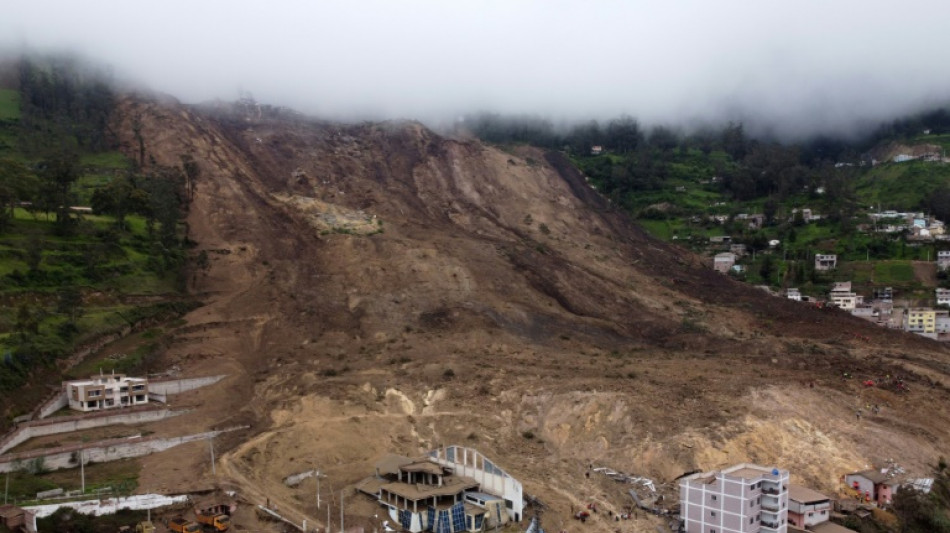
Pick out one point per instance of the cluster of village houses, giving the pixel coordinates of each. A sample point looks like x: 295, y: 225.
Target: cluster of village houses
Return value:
x: 752, y: 498
x: 932, y: 322
x: 915, y: 226
x: 457, y: 489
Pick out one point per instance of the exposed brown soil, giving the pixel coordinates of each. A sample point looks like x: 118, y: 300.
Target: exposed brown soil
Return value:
x: 926, y: 273
x: 500, y: 299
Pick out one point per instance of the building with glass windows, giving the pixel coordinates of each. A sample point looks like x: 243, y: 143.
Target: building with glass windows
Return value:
x: 449, y: 490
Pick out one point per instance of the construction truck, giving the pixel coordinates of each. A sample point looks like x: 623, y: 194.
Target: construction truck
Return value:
x: 216, y: 521
x: 180, y: 525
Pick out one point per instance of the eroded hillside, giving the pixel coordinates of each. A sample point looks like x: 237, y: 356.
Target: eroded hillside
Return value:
x: 378, y: 288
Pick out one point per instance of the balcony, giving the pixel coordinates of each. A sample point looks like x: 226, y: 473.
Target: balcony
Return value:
x: 771, y: 487
x: 771, y: 505
x: 769, y: 527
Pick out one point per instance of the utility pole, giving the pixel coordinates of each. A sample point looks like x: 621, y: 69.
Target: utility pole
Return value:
x: 82, y: 459
x: 341, y: 512
x: 6, y: 489
x: 317, y: 475
x: 211, y: 446
x: 328, y: 519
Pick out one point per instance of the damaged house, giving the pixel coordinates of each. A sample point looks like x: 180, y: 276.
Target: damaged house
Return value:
x: 449, y: 490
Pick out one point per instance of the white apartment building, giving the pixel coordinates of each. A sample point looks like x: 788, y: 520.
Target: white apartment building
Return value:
x: 943, y: 296
x: 793, y: 294
x: 106, y: 392
x: 842, y: 296
x: 745, y: 498
x: 723, y: 262
x: 825, y: 262
x: 943, y: 259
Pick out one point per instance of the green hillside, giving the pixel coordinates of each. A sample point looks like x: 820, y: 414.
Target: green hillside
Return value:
x: 902, y: 186
x: 85, y: 235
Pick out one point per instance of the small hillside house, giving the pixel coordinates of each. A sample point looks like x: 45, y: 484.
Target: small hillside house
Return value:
x: 108, y: 391
x: 825, y: 262
x: 807, y: 507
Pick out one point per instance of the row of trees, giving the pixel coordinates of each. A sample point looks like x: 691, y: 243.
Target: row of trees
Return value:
x: 622, y: 135
x: 63, y: 103
x: 644, y: 158
x: 48, y: 187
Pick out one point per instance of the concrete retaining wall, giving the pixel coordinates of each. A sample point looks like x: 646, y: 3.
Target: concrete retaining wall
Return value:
x: 102, y: 451
x: 52, y: 405
x: 176, y: 386
x: 39, y: 428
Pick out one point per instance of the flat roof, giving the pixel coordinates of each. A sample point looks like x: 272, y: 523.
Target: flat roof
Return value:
x: 423, y: 466
x: 450, y: 485
x: 805, y: 495
x: 875, y: 476
x: 371, y: 485
x: 749, y: 471
x: 390, y: 463
x: 7, y: 511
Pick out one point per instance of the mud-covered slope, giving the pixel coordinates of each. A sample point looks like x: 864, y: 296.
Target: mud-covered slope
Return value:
x: 379, y: 288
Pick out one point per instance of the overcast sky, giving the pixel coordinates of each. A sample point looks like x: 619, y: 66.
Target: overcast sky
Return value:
x: 800, y: 66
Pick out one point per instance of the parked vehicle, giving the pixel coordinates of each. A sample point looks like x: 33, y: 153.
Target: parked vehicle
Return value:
x: 217, y: 521
x: 180, y: 525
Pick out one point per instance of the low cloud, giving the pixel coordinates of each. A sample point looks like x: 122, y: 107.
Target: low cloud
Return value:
x: 794, y: 68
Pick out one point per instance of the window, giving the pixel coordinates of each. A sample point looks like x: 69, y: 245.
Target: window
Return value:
x: 713, y: 497
x: 751, y: 519
x: 712, y: 513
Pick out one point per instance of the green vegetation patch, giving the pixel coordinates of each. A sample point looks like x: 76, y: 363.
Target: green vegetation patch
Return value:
x: 9, y: 104
x: 903, y: 186
x: 893, y: 272
x: 113, y: 160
